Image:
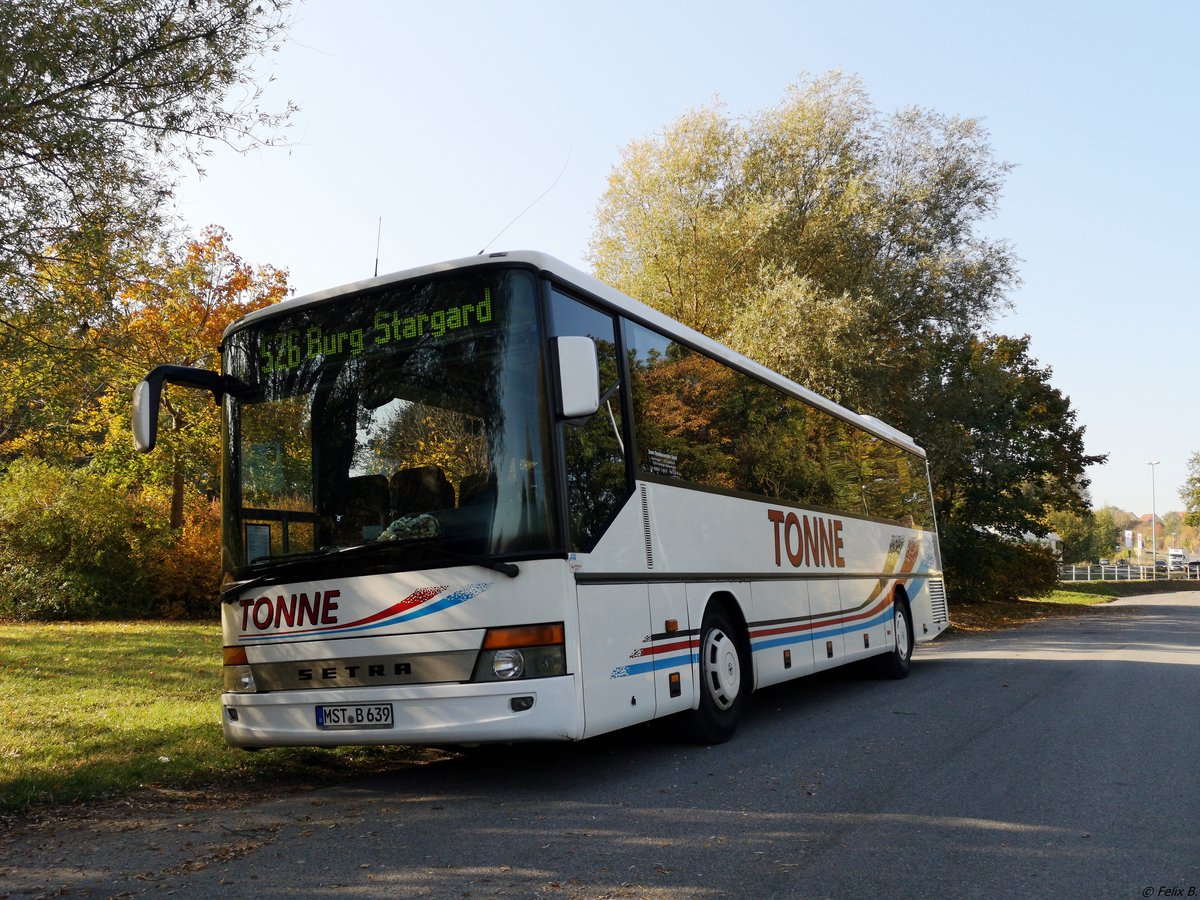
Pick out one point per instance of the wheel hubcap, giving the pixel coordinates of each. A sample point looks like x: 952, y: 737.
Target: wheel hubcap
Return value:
x: 901, y: 634
x: 722, y: 669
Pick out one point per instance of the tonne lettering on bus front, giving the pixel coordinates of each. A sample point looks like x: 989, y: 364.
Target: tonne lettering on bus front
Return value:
x: 268, y: 612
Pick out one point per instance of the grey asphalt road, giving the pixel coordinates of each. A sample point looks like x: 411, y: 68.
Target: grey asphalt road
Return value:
x: 1060, y: 759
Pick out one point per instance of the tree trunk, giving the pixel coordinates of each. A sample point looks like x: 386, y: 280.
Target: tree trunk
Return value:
x: 177, y: 499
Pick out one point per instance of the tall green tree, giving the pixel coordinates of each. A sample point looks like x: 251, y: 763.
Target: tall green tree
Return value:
x: 99, y: 102
x: 821, y: 198
x: 843, y: 248
x: 1190, y: 492
x: 1088, y: 536
x: 1077, y: 532
x: 1110, y: 531
x: 1009, y: 448
x: 672, y: 229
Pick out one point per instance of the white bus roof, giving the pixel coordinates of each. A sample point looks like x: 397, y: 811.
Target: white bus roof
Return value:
x: 609, y: 297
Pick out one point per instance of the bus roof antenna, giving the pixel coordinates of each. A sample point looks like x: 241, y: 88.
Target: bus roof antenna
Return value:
x: 378, y: 235
x: 530, y: 206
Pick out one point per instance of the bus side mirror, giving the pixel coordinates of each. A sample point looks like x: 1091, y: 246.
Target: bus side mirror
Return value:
x: 578, y: 377
x: 147, y: 397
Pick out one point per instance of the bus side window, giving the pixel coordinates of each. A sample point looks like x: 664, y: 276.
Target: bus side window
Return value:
x: 597, y: 484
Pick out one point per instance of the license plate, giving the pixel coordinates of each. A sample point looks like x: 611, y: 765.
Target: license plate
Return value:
x: 355, y: 715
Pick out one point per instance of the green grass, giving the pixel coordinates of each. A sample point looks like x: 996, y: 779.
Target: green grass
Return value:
x: 1114, y: 589
x: 102, y: 709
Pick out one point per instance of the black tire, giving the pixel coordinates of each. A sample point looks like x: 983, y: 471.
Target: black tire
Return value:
x: 895, y: 663
x: 725, y: 679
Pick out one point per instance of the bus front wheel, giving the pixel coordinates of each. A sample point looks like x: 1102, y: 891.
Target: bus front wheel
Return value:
x: 724, y: 679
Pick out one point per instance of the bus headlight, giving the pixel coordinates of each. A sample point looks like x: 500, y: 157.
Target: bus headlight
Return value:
x: 508, y: 664
x: 238, y: 676
x: 239, y: 680
x: 524, y: 651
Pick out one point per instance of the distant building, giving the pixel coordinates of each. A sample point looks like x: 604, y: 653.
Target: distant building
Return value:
x: 1052, y: 540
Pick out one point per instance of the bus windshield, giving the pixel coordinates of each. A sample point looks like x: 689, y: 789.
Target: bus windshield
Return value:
x: 411, y: 416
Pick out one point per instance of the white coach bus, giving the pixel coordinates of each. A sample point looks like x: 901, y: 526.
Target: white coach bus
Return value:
x: 497, y: 500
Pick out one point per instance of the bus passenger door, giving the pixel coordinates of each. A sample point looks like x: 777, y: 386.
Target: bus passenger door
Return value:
x: 673, y: 684
x: 615, y: 647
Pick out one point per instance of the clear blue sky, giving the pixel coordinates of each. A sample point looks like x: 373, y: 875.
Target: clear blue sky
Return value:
x: 447, y: 119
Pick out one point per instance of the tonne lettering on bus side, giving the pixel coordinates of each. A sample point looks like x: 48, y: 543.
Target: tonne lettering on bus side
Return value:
x: 807, y: 540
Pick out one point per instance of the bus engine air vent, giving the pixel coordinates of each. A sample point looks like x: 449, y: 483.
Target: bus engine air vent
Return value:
x: 937, y: 599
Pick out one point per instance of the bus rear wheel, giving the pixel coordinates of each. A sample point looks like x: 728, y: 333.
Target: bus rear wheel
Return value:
x: 724, y: 679
x: 895, y: 663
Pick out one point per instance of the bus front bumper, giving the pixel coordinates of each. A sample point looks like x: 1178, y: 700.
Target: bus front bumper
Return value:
x: 542, y: 709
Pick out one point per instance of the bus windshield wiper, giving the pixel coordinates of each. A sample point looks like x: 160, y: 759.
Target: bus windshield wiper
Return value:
x: 504, y: 568
x: 281, y: 566
x: 274, y: 567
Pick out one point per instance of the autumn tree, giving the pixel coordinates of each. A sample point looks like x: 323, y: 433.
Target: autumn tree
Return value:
x: 842, y: 247
x: 1111, y: 524
x: 74, y: 496
x: 54, y: 364
x: 177, y: 313
x: 100, y: 101
x: 69, y: 370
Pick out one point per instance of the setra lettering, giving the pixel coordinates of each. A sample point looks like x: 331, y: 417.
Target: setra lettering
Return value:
x: 328, y: 672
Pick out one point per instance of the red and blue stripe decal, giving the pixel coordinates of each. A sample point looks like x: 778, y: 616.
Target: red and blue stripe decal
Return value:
x: 811, y: 629
x: 417, y: 605
x: 683, y: 648
x: 678, y: 649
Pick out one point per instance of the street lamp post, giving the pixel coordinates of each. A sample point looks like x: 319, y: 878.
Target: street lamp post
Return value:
x: 1153, y: 516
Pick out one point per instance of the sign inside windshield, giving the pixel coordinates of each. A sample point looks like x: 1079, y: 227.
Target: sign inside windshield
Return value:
x: 290, y: 348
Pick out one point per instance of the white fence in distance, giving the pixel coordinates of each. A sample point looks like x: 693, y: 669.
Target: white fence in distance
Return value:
x: 1125, y: 573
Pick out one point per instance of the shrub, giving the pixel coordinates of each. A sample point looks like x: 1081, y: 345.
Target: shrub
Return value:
x: 186, y: 575
x: 32, y: 590
x: 981, y: 566
x: 74, y: 544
